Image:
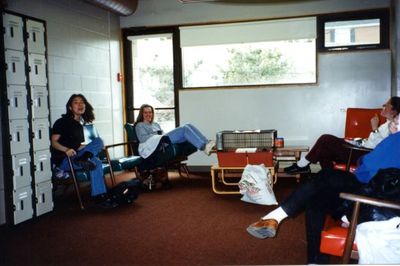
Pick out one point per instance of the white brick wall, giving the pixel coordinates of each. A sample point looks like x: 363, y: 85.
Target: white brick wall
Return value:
x: 83, y: 57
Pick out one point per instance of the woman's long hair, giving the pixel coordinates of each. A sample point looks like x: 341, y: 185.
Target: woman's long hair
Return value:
x: 88, y: 115
x: 140, y: 118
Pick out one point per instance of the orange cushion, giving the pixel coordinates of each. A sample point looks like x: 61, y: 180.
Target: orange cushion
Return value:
x: 342, y: 166
x: 333, y: 238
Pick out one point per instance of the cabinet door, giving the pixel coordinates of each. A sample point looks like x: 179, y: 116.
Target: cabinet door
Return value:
x: 23, y: 209
x: 17, y: 104
x: 13, y: 32
x: 15, y: 67
x: 36, y: 37
x: 40, y: 105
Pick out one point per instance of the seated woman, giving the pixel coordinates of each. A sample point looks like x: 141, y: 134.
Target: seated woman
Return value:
x: 329, y: 148
x: 150, y: 134
x: 67, y: 140
x: 320, y: 195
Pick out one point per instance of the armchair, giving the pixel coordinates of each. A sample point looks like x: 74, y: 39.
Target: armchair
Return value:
x: 339, y: 241
x: 358, y: 125
x: 172, y: 156
x: 77, y: 176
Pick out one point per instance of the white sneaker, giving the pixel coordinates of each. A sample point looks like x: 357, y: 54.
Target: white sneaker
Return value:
x: 209, y: 147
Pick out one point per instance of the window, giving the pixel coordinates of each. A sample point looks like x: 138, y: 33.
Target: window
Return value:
x: 251, y: 53
x: 360, y: 30
x: 153, y: 80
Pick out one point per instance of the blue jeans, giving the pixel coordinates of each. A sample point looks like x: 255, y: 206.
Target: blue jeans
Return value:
x: 97, y: 183
x: 318, y: 197
x: 188, y: 133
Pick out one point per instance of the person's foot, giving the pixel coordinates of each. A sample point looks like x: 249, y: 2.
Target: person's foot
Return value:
x: 263, y: 228
x: 105, y: 202
x: 209, y: 147
x: 85, y: 163
x: 294, y: 169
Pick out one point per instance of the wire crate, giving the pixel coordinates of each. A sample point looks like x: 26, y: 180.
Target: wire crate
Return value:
x: 228, y: 140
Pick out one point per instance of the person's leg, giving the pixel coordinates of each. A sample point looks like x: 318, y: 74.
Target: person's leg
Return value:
x: 96, y: 175
x: 97, y: 181
x: 315, y: 218
x: 187, y: 133
x: 325, y: 184
x: 328, y: 149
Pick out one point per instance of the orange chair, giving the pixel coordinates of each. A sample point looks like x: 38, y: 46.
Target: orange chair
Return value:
x: 339, y: 241
x: 358, y: 125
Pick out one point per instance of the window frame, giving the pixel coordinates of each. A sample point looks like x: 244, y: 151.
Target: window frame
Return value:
x: 128, y: 71
x: 382, y: 14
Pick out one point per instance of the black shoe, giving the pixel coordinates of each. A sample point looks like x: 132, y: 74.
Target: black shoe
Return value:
x: 85, y: 163
x: 105, y: 202
x: 294, y: 169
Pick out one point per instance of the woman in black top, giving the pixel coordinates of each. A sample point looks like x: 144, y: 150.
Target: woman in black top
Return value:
x: 68, y: 139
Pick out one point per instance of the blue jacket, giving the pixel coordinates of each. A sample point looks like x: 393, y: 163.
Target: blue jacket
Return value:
x: 385, y: 155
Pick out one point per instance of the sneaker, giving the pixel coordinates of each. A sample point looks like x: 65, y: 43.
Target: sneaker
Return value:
x: 209, y: 147
x: 85, y: 163
x: 294, y: 169
x: 61, y: 174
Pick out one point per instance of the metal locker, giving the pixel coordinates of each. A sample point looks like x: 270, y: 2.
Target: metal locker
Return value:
x: 22, y: 200
x: 36, y: 40
x: 13, y: 32
x: 41, y: 136
x: 15, y: 67
x: 44, y: 197
x: 2, y: 208
x: 42, y: 162
x: 17, y: 104
x: 39, y: 102
x: 37, y: 69
x: 21, y: 165
x: 19, y: 136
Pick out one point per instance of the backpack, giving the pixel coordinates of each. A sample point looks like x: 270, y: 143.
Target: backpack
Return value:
x: 125, y: 192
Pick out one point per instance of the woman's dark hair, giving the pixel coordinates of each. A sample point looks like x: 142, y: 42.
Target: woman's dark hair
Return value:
x: 140, y: 118
x: 88, y: 115
x: 395, y: 102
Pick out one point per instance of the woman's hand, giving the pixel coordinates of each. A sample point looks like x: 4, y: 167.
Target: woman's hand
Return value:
x: 70, y: 152
x: 394, y: 125
x: 375, y: 122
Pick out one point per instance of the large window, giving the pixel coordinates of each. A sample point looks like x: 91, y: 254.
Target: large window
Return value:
x: 354, y: 31
x: 251, y: 53
x: 153, y: 80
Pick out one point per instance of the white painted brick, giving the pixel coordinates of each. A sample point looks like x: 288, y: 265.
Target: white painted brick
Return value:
x: 62, y: 65
x: 72, y: 82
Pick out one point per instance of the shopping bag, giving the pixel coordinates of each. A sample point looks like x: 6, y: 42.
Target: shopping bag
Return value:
x: 256, y: 185
x: 378, y: 242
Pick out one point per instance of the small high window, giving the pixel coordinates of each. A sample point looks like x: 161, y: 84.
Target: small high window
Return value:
x: 353, y: 31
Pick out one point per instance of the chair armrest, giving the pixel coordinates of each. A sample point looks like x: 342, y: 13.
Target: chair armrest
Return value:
x: 370, y: 201
x: 352, y: 147
x: 358, y: 199
x: 106, y: 147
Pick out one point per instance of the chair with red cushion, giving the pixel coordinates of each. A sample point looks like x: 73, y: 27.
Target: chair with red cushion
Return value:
x: 339, y: 241
x: 358, y: 125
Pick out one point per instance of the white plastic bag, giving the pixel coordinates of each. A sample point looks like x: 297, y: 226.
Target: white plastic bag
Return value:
x: 256, y: 185
x: 378, y: 242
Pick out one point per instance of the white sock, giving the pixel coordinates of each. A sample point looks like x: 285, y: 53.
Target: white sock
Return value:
x: 303, y: 162
x: 278, y: 214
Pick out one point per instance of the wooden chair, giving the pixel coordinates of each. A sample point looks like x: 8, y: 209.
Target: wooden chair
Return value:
x: 342, y: 239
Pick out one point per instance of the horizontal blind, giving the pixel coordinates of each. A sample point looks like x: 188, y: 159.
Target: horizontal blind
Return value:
x: 247, y: 32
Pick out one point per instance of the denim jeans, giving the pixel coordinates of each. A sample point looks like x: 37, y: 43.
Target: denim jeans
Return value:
x: 96, y: 176
x: 188, y: 133
x: 318, y: 197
